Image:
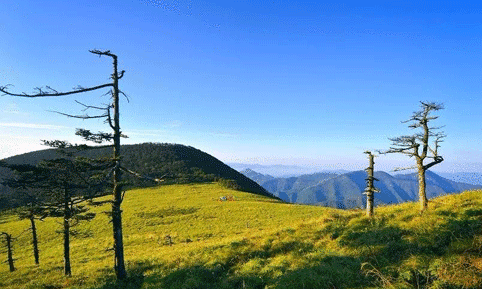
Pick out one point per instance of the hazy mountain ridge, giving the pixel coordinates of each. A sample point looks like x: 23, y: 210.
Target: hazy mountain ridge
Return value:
x: 288, y: 188
x: 283, y: 171
x: 474, y: 178
x: 346, y: 190
x: 257, y: 177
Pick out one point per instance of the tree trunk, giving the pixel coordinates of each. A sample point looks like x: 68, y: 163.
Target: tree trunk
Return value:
x: 370, y: 204
x: 370, y: 188
x: 9, y: 252
x: 119, y: 265
x: 118, y: 243
x: 422, y: 194
x: 34, y: 239
x: 67, y: 267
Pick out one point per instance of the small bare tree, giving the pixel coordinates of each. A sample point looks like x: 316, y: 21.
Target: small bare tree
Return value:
x: 418, y: 145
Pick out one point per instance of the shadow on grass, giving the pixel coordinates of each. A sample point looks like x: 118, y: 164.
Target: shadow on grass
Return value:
x: 327, y: 272
x: 432, y: 241
x: 330, y: 272
x: 135, y: 277
x: 394, y: 247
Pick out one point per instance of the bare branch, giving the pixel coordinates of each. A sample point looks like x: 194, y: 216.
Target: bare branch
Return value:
x: 125, y: 95
x: 432, y: 105
x: 53, y: 93
x: 100, y: 53
x: 121, y: 74
x: 85, y: 116
x: 437, y: 160
x: 90, y: 106
x: 403, y: 169
x: 109, y: 119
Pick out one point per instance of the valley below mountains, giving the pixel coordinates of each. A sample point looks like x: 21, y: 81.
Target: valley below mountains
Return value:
x: 346, y: 190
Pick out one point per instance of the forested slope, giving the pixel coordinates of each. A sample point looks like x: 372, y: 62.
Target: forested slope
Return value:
x: 173, y: 163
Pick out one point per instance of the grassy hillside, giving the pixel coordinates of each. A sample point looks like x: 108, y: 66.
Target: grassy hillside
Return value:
x: 252, y: 241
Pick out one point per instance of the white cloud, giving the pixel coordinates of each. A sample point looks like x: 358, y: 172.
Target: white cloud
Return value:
x: 18, y: 145
x: 32, y: 125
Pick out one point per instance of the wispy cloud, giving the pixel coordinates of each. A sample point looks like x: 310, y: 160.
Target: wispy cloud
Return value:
x: 32, y: 125
x: 145, y: 132
x: 174, y: 124
x: 224, y: 135
x: 11, y: 108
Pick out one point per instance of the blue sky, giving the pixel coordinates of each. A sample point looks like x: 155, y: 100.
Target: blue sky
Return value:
x: 278, y: 82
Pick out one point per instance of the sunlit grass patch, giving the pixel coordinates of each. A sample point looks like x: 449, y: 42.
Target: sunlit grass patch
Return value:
x: 188, y: 236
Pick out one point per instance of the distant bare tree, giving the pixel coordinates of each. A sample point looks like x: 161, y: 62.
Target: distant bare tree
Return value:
x: 418, y: 145
x: 370, y: 189
x: 112, y: 118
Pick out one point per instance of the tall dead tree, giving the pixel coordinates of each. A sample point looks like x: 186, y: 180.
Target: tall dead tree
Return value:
x: 418, y: 145
x: 370, y: 189
x: 8, y: 241
x: 113, y: 121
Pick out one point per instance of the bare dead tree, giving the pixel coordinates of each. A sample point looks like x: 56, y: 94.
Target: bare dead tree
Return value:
x: 370, y: 189
x: 418, y: 145
x: 113, y: 120
x: 8, y: 241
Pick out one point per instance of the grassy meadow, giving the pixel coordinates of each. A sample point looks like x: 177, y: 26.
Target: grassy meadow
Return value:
x: 185, y: 236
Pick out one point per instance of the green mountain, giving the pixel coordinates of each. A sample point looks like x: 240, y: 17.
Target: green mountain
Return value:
x: 173, y: 163
x: 345, y: 190
x: 288, y: 189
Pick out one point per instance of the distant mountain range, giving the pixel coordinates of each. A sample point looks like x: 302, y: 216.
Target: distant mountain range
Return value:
x: 184, y: 164
x: 345, y: 190
x: 283, y: 171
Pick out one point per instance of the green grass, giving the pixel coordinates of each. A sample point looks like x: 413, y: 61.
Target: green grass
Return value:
x: 251, y: 241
